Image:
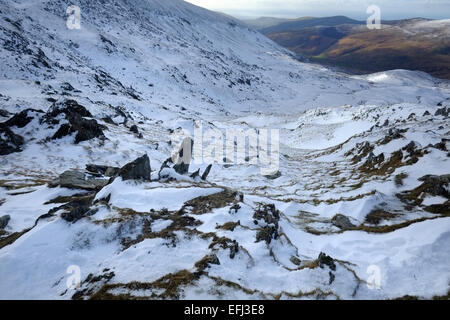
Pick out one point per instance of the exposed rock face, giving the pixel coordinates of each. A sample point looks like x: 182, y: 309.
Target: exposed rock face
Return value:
x: 9, y: 141
x: 86, y: 129
x: 274, y: 176
x: 325, y: 260
x: 22, y: 118
x: 102, y: 170
x: 267, y: 216
x: 4, y: 221
x: 206, y: 173
x: 342, y: 222
x: 78, y: 180
x: 435, y: 185
x: 139, y: 169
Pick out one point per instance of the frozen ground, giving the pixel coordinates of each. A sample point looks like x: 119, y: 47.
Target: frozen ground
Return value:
x: 354, y: 154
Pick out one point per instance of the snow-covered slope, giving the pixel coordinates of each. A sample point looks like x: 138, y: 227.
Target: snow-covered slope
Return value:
x: 136, y: 71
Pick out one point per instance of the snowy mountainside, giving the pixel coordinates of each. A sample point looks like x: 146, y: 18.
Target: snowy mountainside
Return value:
x: 363, y: 180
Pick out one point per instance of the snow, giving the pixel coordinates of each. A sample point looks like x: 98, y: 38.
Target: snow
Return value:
x: 189, y: 64
x: 143, y: 198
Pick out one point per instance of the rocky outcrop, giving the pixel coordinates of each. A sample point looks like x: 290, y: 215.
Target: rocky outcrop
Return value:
x: 9, y: 141
x: 73, y: 179
x: 102, y: 170
x: 75, y: 114
x: 267, y: 216
x: 342, y: 222
x: 4, y: 221
x: 139, y: 169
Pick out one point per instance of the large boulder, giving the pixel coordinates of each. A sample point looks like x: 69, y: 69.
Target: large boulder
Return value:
x: 139, y: 169
x: 342, y: 222
x: 23, y: 118
x: 75, y: 114
x: 4, y: 221
x: 73, y: 179
x: 9, y: 141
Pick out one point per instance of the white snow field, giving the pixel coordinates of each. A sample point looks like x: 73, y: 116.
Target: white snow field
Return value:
x: 360, y: 207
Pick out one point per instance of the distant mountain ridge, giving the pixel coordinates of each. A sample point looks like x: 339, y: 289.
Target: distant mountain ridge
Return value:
x: 413, y: 44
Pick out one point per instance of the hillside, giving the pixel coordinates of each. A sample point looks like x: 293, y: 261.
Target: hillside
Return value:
x: 91, y: 122
x: 415, y: 44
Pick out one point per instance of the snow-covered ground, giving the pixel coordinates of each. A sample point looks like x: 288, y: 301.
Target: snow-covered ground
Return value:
x: 346, y: 154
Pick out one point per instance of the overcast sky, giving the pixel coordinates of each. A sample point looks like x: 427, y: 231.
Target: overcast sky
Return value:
x: 390, y: 9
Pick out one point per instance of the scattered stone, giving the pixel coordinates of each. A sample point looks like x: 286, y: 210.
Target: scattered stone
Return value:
x: 235, y: 208
x: 139, y: 169
x: 295, y: 261
x: 195, y: 174
x: 206, y: 173
x: 85, y: 129
x: 436, y: 185
x: 270, y: 216
x: 102, y: 170
x: 4, y: 221
x: 206, y: 262
x: 9, y: 141
x: 4, y: 113
x: 325, y: 260
x: 181, y: 168
x: 273, y: 176
x: 22, y: 118
x: 443, y: 112
x: 134, y: 129
x: 427, y: 113
x: 376, y: 216
x: 73, y: 179
x: 234, y: 249
x: 342, y: 222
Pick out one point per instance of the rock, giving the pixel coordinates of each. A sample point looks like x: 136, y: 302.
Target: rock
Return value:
x: 4, y: 221
x: 139, y: 169
x: 442, y: 112
x: 9, y: 141
x: 342, y: 222
x: 325, y: 260
x: 295, y: 261
x: 426, y: 113
x: 181, y: 168
x: 73, y: 179
x: 78, y: 213
x: 436, y: 185
x: 195, y: 174
x: 86, y: 129
x: 206, y: 173
x: 234, y: 249
x: 22, y: 118
x: 410, y: 147
x: 4, y: 113
x: 134, y: 129
x: 102, y: 170
x: 267, y: 216
x: 266, y: 234
x: 76, y: 209
x: 273, y: 176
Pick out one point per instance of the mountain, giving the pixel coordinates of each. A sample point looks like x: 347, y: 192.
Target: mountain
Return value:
x: 413, y: 44
x: 301, y: 23
x: 265, y: 22
x: 94, y: 205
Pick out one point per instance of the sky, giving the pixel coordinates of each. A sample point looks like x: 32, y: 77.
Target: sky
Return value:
x: 390, y: 9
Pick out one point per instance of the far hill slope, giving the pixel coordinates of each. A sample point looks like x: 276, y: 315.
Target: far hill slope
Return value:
x: 415, y: 44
